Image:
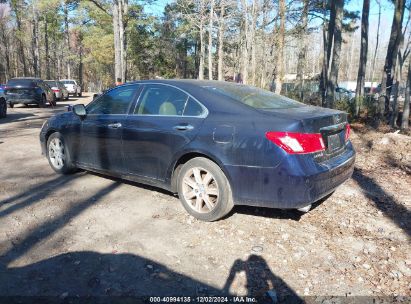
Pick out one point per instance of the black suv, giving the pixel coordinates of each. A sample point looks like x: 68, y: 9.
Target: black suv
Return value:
x: 28, y: 91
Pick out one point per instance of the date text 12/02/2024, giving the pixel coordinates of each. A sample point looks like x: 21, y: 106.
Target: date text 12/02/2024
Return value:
x: 203, y: 299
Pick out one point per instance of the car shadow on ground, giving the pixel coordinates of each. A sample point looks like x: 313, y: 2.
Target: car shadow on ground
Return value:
x: 247, y: 210
x: 384, y: 201
x: 15, y: 116
x: 98, y: 277
x: 110, y: 277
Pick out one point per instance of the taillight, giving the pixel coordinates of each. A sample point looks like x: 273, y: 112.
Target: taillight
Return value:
x: 347, y: 131
x: 56, y: 90
x: 297, y: 143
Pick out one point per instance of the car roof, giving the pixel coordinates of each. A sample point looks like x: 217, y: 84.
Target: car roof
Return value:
x: 26, y: 78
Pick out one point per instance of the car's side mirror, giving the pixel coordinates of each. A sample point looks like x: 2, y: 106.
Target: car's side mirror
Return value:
x: 80, y: 110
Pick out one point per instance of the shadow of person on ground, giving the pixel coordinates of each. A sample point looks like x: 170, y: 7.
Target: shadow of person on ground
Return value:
x: 262, y: 283
x: 384, y: 201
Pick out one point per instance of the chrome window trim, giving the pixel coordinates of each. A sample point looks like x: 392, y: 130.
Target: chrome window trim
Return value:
x: 203, y: 115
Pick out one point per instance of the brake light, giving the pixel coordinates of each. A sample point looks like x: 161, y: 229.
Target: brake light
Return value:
x: 56, y: 90
x: 347, y: 131
x: 297, y: 143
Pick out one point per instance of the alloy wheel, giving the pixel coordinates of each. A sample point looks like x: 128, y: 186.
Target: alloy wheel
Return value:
x: 200, y: 189
x: 57, y: 153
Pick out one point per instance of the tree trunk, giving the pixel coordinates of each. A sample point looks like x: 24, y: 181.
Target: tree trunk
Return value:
x: 303, y: 50
x: 210, y: 41
x: 67, y: 38
x: 6, y: 51
x: 335, y: 55
x: 253, y: 42
x: 390, y: 60
x: 377, y: 42
x: 221, y: 41
x: 36, y: 47
x: 359, y: 92
x: 17, y: 9
x: 202, y: 46
x: 406, y: 112
x: 46, y: 45
x: 280, y: 54
x: 117, y: 48
x: 245, y: 44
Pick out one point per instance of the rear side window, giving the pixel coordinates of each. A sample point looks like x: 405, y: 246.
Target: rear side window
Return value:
x: 116, y: 101
x: 193, y: 108
x: 254, y: 97
x: 161, y: 100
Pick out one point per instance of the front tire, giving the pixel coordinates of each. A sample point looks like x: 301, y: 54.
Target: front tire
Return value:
x: 58, y: 154
x: 204, y: 190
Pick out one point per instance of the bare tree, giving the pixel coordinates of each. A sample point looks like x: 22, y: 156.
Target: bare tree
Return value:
x: 335, y: 44
x: 359, y: 92
x: 406, y: 111
x: 390, y: 59
x: 303, y: 50
x: 377, y: 41
x: 210, y: 40
x: 221, y: 29
x: 280, y: 54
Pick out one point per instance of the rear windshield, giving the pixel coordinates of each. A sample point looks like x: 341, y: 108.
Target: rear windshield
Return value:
x: 22, y: 82
x: 255, y: 97
x: 67, y: 81
x: 52, y: 83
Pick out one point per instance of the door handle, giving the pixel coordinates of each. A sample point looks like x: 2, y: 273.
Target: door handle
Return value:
x: 115, y: 125
x: 183, y: 127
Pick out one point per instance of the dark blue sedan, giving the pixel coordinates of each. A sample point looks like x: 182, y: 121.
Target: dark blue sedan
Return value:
x: 216, y: 144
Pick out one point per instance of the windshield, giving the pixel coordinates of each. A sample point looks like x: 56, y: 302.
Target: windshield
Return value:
x: 21, y: 82
x: 254, y: 97
x: 67, y: 81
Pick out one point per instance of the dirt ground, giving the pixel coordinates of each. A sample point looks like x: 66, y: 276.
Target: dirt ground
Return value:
x: 89, y: 235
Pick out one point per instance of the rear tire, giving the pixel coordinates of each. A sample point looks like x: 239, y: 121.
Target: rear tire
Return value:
x: 3, y: 108
x: 204, y: 190
x: 11, y: 106
x: 58, y: 155
x: 43, y: 102
x: 79, y: 94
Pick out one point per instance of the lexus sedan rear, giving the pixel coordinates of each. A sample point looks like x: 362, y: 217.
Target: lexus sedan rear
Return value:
x: 216, y: 144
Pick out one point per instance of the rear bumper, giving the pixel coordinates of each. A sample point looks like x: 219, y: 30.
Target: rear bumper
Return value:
x: 295, y: 183
x: 30, y: 100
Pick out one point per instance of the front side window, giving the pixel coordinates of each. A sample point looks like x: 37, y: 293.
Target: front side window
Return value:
x: 116, y: 101
x: 165, y: 100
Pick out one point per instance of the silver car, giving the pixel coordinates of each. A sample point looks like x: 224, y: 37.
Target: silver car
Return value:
x: 59, y: 90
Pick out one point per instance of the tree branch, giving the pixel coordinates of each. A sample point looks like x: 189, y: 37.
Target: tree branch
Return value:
x: 100, y: 6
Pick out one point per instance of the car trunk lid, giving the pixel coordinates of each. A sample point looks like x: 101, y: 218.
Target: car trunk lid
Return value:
x: 331, y: 124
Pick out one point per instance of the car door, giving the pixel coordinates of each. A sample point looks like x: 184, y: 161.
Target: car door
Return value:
x: 101, y: 129
x: 164, y: 120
